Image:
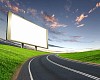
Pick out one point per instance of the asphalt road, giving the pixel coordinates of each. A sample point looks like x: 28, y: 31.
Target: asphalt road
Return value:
x: 50, y: 67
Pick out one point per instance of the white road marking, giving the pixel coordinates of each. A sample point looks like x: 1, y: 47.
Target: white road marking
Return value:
x: 31, y: 77
x: 73, y: 70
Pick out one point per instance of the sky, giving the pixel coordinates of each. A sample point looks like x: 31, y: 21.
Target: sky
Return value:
x: 73, y: 25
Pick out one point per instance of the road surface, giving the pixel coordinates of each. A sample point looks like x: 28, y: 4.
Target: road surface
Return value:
x: 51, y: 67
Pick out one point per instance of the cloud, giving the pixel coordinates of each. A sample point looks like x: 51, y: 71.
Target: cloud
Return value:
x: 51, y: 21
x: 80, y: 25
x: 3, y: 1
x: 73, y: 39
x: 78, y: 41
x: 80, y: 18
x: 55, y: 24
x: 3, y: 9
x: 76, y: 37
x: 76, y: 10
x: 86, y: 41
x: 68, y: 5
x: 55, y: 46
x: 83, y: 16
x: 13, y: 8
x: 96, y: 6
x: 32, y: 11
x: 16, y: 8
x: 48, y: 17
x: 70, y: 40
x: 92, y: 10
x: 55, y: 32
x: 50, y: 39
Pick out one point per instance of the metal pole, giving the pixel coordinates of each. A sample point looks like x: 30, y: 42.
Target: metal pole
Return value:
x: 22, y: 45
x: 36, y: 48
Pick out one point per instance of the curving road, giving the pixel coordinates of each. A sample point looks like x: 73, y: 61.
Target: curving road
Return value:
x: 51, y: 67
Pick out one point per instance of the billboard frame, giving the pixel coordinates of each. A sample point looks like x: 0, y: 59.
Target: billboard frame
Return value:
x: 8, y: 31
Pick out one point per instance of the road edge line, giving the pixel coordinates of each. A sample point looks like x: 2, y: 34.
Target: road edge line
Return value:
x: 73, y: 70
x: 31, y: 77
x: 78, y: 61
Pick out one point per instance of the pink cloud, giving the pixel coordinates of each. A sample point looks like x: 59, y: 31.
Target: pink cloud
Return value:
x: 32, y: 11
x: 96, y: 6
x: 48, y: 17
x: 2, y: 1
x: 83, y: 16
x: 53, y: 22
x: 76, y: 37
x: 80, y: 18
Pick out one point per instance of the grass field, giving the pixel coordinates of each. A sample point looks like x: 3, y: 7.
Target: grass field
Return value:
x: 11, y: 58
x: 89, y: 56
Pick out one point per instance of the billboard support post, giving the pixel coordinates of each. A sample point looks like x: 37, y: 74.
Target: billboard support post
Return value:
x: 22, y: 45
x: 36, y: 48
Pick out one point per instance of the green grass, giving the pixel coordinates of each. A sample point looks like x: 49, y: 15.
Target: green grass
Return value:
x: 12, y: 57
x: 89, y: 56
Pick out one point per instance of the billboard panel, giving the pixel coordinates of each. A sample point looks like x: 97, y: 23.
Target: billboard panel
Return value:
x: 27, y: 32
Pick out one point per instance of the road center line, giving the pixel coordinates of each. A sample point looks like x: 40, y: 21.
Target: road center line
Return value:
x: 73, y: 70
x: 31, y: 77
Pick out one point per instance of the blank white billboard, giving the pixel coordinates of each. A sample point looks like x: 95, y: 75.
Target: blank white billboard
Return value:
x: 23, y: 31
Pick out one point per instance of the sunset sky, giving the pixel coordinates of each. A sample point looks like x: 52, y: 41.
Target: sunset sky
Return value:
x: 72, y: 25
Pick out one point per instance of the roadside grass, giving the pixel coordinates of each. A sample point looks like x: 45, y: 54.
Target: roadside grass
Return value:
x: 89, y: 56
x: 12, y: 57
